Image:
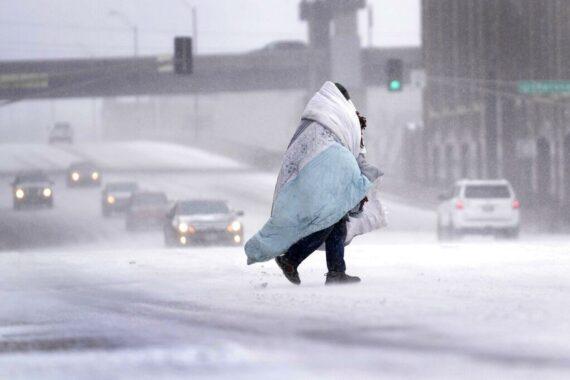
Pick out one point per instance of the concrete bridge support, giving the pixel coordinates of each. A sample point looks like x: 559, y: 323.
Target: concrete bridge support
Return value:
x: 334, y: 41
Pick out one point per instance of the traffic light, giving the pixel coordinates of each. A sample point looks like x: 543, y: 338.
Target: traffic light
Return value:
x: 183, y: 55
x: 395, y: 74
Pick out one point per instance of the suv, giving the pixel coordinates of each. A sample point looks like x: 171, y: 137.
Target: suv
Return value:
x: 479, y: 206
x: 61, y: 132
x: 203, y: 222
x: 32, y: 188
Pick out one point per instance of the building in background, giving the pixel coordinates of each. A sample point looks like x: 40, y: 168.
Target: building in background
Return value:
x: 480, y: 120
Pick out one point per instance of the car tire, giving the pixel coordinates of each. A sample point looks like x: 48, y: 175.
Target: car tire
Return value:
x: 511, y: 233
x: 168, y: 241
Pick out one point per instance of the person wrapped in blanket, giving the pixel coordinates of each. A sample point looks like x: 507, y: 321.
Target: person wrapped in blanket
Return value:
x: 326, y: 191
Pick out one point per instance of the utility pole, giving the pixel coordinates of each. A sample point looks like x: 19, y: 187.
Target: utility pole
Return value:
x: 195, y: 30
x: 136, y: 40
x: 195, y: 95
x: 133, y: 27
x: 370, y: 25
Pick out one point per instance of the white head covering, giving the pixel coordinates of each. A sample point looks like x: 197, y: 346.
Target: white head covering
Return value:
x: 330, y: 108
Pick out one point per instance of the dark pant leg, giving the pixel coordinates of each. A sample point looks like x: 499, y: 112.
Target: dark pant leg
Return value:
x: 307, y: 245
x: 335, y: 247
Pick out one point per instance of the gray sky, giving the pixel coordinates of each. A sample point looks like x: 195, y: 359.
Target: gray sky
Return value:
x: 32, y: 29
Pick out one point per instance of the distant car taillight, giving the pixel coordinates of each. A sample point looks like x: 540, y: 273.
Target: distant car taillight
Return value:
x: 516, y: 204
x: 459, y: 205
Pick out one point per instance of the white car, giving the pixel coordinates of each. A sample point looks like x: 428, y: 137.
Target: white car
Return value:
x: 479, y: 207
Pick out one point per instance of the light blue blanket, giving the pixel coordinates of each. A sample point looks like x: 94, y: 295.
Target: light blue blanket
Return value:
x: 325, y: 189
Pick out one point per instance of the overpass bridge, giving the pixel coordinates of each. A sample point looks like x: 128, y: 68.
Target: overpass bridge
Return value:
x: 153, y: 75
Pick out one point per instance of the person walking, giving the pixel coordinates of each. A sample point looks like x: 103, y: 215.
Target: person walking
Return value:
x: 324, y: 179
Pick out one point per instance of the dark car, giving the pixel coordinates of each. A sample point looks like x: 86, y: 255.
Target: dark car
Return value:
x: 61, y: 132
x: 83, y: 174
x: 284, y: 46
x: 116, y: 196
x: 32, y: 189
x: 203, y: 222
x: 146, y: 210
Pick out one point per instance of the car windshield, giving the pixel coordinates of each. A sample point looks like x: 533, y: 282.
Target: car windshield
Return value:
x: 32, y: 177
x: 83, y: 166
x: 202, y: 207
x: 150, y: 199
x: 126, y: 186
x: 487, y: 191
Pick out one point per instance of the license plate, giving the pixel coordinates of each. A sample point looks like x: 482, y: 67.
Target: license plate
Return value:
x: 488, y: 208
x: 210, y: 237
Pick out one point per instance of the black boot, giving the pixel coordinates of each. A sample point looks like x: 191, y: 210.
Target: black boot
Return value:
x: 339, y: 278
x: 289, y: 270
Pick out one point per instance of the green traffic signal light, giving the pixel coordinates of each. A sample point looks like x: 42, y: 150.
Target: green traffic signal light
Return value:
x: 395, y: 85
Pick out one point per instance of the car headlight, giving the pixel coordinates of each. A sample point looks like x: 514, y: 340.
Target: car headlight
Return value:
x: 110, y: 199
x: 94, y: 176
x: 75, y: 176
x: 234, y: 226
x: 237, y: 239
x: 184, y: 228
x: 47, y: 192
x: 20, y: 193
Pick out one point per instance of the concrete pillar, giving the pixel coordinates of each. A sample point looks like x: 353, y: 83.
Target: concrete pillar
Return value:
x: 335, y: 57
x: 346, y: 61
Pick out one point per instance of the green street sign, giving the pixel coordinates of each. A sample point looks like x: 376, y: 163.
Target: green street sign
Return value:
x: 544, y: 87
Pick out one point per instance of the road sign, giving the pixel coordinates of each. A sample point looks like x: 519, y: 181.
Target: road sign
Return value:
x: 544, y: 87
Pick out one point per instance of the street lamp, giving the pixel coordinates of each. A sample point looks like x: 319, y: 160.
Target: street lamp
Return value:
x: 125, y: 20
x: 194, y: 15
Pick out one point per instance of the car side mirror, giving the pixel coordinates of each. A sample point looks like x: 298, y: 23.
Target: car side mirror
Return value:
x: 240, y: 213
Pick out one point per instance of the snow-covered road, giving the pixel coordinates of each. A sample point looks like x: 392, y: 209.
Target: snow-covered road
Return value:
x: 82, y: 299
x: 422, y: 311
